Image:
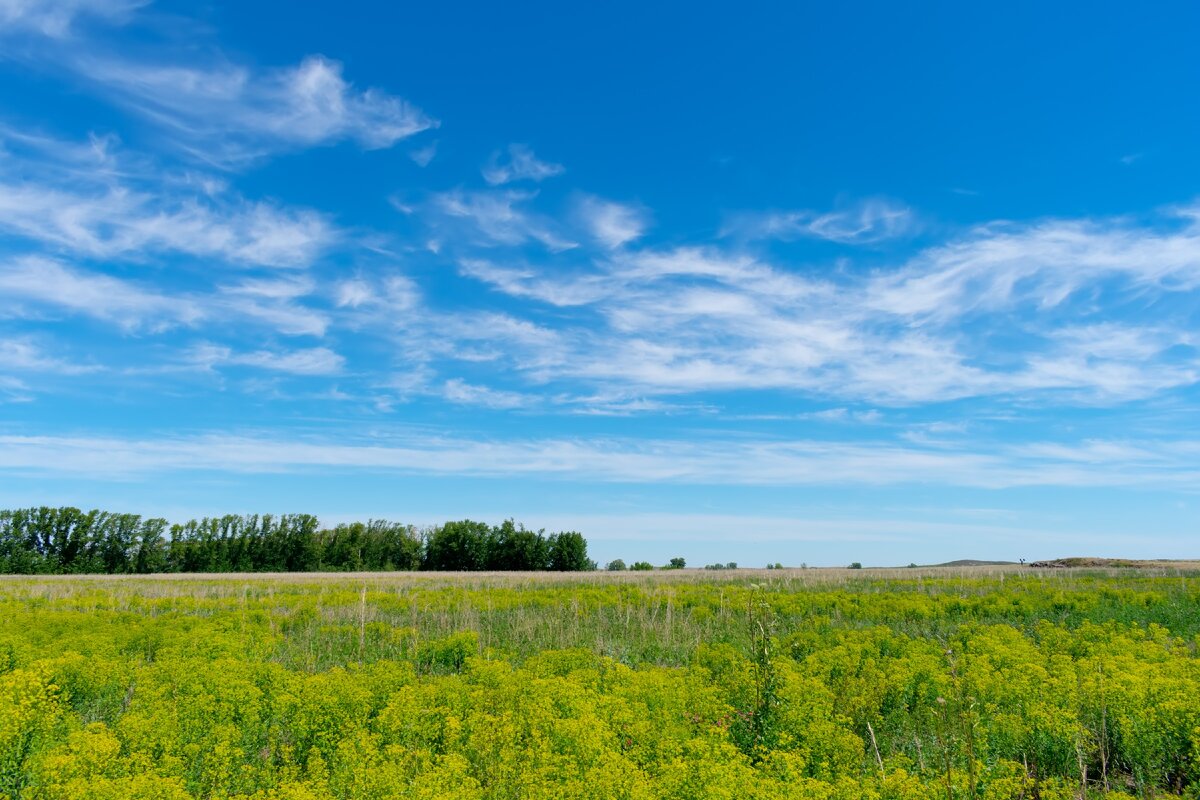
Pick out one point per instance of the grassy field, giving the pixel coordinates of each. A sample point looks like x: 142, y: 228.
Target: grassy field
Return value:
x: 988, y: 682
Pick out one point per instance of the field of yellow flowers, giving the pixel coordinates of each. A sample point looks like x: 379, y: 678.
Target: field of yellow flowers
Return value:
x: 967, y: 683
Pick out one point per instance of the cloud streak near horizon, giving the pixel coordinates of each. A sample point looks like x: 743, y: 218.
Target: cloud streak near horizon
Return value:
x: 1088, y: 464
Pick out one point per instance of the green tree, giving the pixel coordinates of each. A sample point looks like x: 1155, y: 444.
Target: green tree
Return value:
x: 513, y: 547
x: 568, y: 553
x: 458, y: 546
x: 399, y: 546
x: 151, y: 554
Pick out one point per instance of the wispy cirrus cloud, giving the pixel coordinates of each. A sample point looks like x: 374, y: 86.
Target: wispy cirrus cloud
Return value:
x: 519, y: 165
x: 611, y: 224
x: 130, y: 305
x: 222, y: 112
x: 1044, y: 264
x: 699, y: 319
x: 460, y: 392
x: 716, y: 461
x: 84, y: 200
x: 274, y: 302
x: 529, y: 282
x: 305, y: 361
x: 28, y: 366
x: 139, y: 307
x: 229, y: 114
x: 25, y: 354
x: 423, y: 156
x: 495, y: 218
x: 121, y: 222
x: 14, y: 390
x: 586, y: 307
x: 353, y: 293
x: 865, y: 222
x: 57, y: 18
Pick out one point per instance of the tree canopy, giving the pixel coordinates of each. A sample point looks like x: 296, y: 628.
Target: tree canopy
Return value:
x: 70, y: 541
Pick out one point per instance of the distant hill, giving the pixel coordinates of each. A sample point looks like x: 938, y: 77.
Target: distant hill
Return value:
x: 1064, y: 563
x: 1074, y: 562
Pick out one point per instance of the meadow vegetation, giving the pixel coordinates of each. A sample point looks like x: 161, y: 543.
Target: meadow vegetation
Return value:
x: 906, y: 684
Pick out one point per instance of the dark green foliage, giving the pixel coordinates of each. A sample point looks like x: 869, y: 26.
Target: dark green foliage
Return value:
x: 56, y: 541
x: 755, y: 729
x: 568, y: 553
x: 642, y: 566
x: 449, y: 654
x: 616, y: 565
x: 458, y: 546
x: 374, y: 545
x: 253, y: 543
x: 513, y: 547
x: 676, y: 563
x: 855, y: 565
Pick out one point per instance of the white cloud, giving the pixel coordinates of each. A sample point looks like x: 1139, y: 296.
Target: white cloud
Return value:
x: 56, y: 18
x: 462, y: 393
x: 354, y: 293
x: 289, y: 319
x: 1083, y: 312
x: 23, y: 354
x: 713, y: 462
x: 865, y: 222
x: 696, y: 319
x: 314, y: 361
x: 521, y: 165
x: 401, y: 293
x: 703, y: 265
x: 611, y: 224
x: 386, y: 299
x: 617, y: 406
x: 1042, y: 264
x: 229, y: 114
x: 130, y: 305
x: 275, y: 303
x: 275, y: 289
x: 715, y: 527
x: 14, y: 390
x: 423, y: 156
x: 220, y: 111
x: 529, y: 282
x: 137, y: 307
x: 497, y: 216
x: 101, y: 219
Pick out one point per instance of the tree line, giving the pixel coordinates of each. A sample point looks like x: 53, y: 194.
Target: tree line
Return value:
x: 47, y: 541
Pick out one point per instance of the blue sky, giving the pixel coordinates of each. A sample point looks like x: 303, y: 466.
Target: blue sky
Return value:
x: 776, y: 282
